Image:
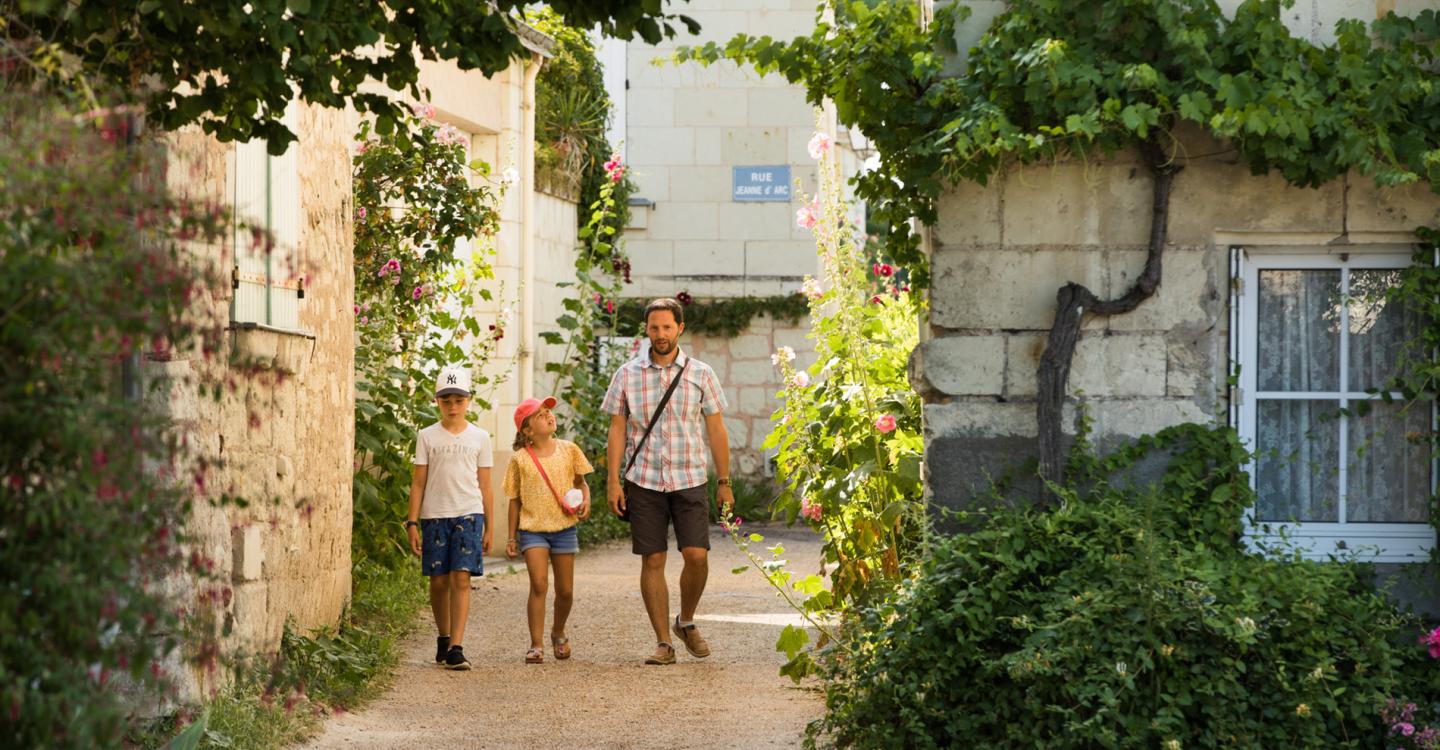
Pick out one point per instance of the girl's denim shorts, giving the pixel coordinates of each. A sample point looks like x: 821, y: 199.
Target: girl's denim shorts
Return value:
x: 565, y: 542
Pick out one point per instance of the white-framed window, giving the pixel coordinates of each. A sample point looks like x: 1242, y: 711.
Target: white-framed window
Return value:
x: 266, y: 281
x: 1314, y: 339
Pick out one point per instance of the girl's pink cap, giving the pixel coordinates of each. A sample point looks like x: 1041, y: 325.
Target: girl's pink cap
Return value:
x: 530, y: 406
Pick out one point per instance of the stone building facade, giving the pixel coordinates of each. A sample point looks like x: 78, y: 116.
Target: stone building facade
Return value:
x: 687, y: 130
x: 281, y: 430
x: 282, y: 427
x: 1257, y: 275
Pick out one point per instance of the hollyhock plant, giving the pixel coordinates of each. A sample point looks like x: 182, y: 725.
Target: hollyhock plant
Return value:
x: 807, y: 216
x: 801, y: 379
x: 885, y: 424
x: 615, y: 168
x: 1432, y: 640
x: 811, y: 510
x: 819, y: 145
x: 812, y: 289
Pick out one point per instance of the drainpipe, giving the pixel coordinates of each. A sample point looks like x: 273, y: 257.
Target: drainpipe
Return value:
x: 527, y: 229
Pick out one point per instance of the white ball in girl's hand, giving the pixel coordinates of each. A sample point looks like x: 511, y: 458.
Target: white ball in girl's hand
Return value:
x: 574, y: 498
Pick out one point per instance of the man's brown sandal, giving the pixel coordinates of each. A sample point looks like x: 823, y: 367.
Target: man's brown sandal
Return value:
x: 534, y: 656
x: 690, y: 637
x: 561, y: 645
x: 664, y: 654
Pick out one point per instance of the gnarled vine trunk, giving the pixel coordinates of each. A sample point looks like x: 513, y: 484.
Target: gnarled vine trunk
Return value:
x: 1073, y: 301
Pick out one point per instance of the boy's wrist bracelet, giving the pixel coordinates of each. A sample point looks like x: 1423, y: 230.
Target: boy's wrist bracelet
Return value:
x: 411, y: 523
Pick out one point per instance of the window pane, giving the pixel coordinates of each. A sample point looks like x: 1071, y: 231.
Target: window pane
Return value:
x: 1388, y: 475
x: 1379, y: 329
x: 1299, y: 330
x: 1296, y: 473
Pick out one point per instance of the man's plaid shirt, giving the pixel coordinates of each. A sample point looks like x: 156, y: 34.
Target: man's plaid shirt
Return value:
x: 677, y: 453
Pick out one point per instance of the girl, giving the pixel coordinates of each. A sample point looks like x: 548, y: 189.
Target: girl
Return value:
x: 545, y: 482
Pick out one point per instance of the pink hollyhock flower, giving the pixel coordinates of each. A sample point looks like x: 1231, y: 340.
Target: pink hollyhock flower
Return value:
x: 807, y: 216
x: 610, y: 306
x: 810, y: 510
x: 417, y: 293
x: 615, y: 168
x: 885, y: 424
x: 391, y: 266
x: 801, y: 379
x: 1432, y: 639
x: 884, y: 269
x: 812, y: 289
x: 877, y: 300
x: 357, y: 309
x: 362, y: 147
x: 819, y: 144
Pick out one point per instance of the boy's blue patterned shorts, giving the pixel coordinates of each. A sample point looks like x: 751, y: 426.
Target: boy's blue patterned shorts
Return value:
x: 449, y: 545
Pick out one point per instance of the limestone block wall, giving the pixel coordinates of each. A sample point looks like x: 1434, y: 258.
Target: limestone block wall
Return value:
x: 1001, y: 252
x: 751, y: 383
x: 686, y: 127
x: 284, y: 433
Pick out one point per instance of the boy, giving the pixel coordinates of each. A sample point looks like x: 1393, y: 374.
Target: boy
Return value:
x: 449, y: 502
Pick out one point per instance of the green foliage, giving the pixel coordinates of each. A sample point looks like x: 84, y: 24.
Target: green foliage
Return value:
x: 580, y: 380
x: 848, y: 434
x: 1418, y: 370
x: 271, y: 704
x: 414, y: 204
x: 1057, y: 79
x: 1130, y: 617
x: 94, y: 275
x: 727, y: 318
x: 572, y: 111
x: 232, y: 66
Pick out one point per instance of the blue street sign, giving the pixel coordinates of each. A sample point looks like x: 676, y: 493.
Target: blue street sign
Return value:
x: 761, y: 184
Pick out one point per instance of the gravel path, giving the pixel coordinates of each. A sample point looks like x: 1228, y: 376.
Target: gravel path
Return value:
x: 603, y: 697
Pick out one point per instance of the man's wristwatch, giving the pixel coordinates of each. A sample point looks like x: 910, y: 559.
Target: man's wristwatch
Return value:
x: 723, y: 482
x: 408, y: 524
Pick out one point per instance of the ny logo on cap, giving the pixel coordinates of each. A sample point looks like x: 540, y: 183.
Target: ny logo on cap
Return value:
x: 450, y: 379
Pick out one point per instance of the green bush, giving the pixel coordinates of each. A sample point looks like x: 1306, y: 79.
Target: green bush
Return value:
x: 273, y: 702
x: 415, y: 204
x: 1127, y: 618
x: 93, y: 272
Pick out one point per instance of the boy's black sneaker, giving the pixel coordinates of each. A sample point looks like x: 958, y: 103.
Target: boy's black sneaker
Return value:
x: 442, y: 647
x: 456, y: 659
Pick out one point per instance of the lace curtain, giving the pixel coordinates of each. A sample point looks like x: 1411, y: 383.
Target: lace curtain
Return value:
x: 1305, y: 320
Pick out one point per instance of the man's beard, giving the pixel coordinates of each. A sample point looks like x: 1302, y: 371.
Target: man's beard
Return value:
x: 661, y: 346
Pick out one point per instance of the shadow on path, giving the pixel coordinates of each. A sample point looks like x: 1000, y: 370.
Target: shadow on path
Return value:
x: 603, y: 697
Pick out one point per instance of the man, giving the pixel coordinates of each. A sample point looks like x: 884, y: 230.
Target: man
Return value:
x: 666, y: 485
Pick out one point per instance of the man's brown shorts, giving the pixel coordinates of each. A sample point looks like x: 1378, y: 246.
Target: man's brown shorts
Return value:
x: 651, y: 513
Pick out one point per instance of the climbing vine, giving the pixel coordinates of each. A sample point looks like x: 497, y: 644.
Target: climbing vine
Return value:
x: 727, y: 317
x: 415, y: 209
x: 1079, y: 80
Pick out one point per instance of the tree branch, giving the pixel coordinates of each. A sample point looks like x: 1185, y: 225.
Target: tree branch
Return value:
x: 1074, y: 300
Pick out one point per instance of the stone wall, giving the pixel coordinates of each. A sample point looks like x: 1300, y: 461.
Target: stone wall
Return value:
x: 1002, y: 251
x: 283, y: 433
x: 686, y: 127
x: 751, y: 383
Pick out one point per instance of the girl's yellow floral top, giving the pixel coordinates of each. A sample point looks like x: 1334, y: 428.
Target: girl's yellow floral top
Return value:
x: 538, y: 509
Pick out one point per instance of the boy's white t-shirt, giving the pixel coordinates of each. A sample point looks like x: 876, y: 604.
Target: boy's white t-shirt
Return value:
x: 451, y: 486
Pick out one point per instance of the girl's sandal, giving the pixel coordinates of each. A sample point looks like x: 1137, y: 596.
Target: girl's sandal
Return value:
x: 562, y: 646
x: 534, y: 656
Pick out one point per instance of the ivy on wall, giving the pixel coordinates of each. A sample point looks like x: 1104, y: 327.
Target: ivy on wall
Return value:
x: 724, y: 318
x: 1084, y: 79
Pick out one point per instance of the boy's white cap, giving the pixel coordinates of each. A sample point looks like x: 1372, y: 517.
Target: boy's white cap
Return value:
x: 453, y: 380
